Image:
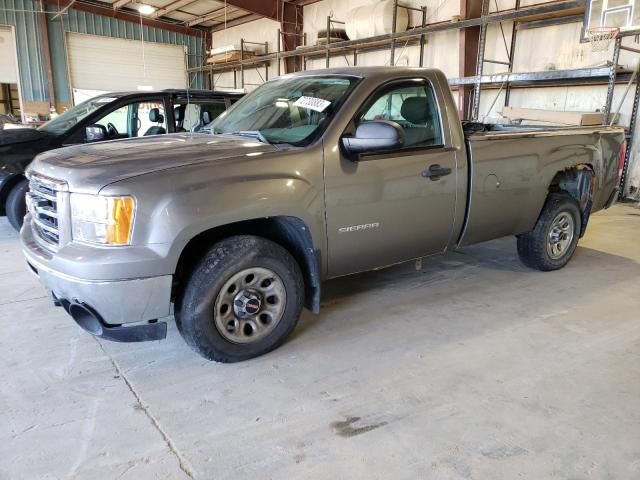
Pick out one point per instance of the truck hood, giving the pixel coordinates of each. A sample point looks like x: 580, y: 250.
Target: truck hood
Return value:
x: 89, y: 168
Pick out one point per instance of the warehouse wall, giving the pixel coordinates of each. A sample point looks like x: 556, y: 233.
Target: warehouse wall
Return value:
x: 24, y: 16
x: 559, y: 48
x: 442, y: 49
x: 555, y: 47
x: 263, y: 30
x: 82, y: 22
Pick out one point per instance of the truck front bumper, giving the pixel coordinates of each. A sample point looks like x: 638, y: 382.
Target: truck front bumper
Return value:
x: 102, y: 307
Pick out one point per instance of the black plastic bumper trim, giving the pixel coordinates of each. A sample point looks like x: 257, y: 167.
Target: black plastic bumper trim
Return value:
x: 135, y: 333
x: 91, y: 322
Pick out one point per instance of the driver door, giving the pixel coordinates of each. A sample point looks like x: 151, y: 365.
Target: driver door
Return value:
x: 381, y: 206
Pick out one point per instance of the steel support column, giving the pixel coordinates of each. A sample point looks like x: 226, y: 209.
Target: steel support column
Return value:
x: 469, y: 40
x: 291, y: 26
x: 612, y: 80
x: 47, y: 54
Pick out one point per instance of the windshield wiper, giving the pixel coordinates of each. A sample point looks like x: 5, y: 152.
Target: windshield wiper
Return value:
x: 249, y: 133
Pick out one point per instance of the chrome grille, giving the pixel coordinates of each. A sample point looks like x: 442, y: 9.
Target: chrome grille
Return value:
x: 42, y: 201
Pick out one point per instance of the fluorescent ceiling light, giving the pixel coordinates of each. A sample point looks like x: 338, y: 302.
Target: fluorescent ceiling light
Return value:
x: 146, y: 9
x: 145, y: 88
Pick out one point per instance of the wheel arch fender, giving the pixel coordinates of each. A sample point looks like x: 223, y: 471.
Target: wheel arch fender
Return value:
x: 292, y: 233
x: 578, y: 182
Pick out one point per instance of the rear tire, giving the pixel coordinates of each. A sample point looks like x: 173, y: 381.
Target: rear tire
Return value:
x: 553, y: 241
x: 16, y: 206
x: 242, y: 300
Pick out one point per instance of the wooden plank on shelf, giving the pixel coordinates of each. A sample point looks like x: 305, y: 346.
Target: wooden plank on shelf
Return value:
x: 552, y: 116
x: 230, y: 56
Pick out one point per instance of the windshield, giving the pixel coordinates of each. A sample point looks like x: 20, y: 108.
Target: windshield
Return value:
x: 287, y: 110
x: 71, y: 117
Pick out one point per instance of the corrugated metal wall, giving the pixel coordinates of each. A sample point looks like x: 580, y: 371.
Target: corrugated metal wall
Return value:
x: 22, y: 14
x: 83, y: 22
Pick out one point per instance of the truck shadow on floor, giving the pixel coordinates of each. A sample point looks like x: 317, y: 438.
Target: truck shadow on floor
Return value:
x: 478, y: 276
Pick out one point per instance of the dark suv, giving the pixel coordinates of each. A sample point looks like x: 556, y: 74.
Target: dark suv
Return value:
x: 112, y: 116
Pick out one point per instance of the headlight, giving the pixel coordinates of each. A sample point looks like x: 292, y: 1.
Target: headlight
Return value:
x: 102, y: 220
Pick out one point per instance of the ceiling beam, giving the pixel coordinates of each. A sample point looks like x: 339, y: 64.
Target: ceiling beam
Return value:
x: 171, y: 7
x: 127, y: 17
x: 205, y: 18
x: 265, y: 8
x: 120, y: 3
x: 235, y: 22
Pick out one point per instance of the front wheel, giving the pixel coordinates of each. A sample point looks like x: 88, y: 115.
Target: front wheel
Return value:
x: 551, y: 244
x: 242, y: 300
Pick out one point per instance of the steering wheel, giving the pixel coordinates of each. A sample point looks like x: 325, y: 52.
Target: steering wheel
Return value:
x: 112, y: 131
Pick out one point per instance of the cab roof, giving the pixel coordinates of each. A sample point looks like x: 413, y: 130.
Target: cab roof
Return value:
x: 363, y: 72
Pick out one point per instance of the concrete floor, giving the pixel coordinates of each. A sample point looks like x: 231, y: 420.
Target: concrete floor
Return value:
x: 473, y: 368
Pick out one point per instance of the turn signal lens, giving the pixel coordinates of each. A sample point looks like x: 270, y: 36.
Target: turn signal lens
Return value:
x: 102, y: 220
x: 119, y: 231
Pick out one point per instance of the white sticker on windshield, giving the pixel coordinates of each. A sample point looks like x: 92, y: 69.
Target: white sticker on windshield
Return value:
x: 312, y: 103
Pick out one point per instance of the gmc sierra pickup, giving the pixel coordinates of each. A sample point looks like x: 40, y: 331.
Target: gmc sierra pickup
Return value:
x: 313, y: 175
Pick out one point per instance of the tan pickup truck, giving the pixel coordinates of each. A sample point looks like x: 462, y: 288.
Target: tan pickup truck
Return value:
x: 311, y: 176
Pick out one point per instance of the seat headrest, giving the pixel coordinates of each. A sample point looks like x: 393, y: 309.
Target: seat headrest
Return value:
x: 415, y: 109
x: 177, y: 114
x: 155, y: 116
x: 206, y: 117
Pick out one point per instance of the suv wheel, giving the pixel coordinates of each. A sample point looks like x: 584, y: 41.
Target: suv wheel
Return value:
x: 242, y: 300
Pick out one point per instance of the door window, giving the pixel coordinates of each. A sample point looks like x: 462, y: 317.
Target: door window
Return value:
x: 410, y: 105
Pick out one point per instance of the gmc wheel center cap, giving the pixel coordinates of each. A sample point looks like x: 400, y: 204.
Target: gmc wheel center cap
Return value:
x: 247, y: 304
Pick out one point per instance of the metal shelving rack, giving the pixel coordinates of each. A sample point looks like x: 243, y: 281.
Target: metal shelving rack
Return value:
x: 540, y: 15
x: 413, y: 36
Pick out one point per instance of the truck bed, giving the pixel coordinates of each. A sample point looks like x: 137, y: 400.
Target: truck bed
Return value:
x: 511, y: 168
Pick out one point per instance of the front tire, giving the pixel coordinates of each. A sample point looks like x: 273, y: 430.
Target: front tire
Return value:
x: 242, y: 300
x: 16, y: 206
x: 553, y: 241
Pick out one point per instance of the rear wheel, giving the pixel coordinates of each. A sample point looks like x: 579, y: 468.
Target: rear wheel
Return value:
x: 551, y: 244
x: 16, y: 206
x: 242, y: 300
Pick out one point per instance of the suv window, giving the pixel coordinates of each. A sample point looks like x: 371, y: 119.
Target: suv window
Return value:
x: 413, y: 106
x: 116, y: 123
x: 151, y: 119
x: 193, y: 116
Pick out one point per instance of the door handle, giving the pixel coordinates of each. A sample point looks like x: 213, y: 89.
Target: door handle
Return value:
x: 435, y: 172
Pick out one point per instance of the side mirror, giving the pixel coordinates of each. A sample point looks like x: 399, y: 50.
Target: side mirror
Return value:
x: 95, y: 133
x: 375, y: 136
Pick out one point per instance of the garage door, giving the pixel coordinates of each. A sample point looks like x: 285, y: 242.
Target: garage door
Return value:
x: 113, y: 64
x: 8, y: 70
